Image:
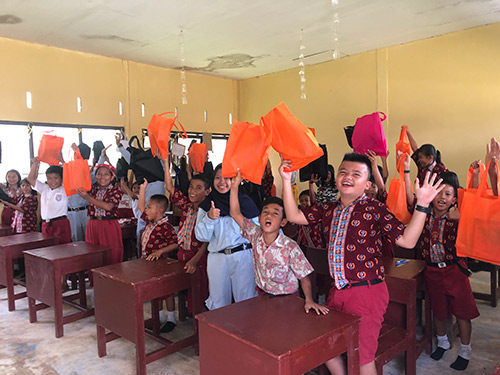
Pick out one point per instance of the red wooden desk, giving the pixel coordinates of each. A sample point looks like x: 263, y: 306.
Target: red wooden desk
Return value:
x: 44, y: 271
x: 120, y: 291
x: 5, y: 230
x: 274, y: 336
x: 12, y: 247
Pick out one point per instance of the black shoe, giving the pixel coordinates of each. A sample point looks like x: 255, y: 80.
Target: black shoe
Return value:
x: 460, y: 364
x: 168, y: 327
x: 438, y: 353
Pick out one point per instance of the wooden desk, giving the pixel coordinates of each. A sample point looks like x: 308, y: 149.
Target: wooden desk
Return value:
x: 5, y: 230
x: 274, y: 336
x: 44, y: 271
x: 120, y: 291
x: 12, y: 247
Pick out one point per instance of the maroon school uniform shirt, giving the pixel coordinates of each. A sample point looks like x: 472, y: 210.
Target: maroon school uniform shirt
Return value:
x: 108, y: 194
x: 156, y: 235
x: 311, y: 235
x: 188, y: 243
x: 25, y: 222
x: 433, y: 168
x: 438, y: 238
x: 354, y: 237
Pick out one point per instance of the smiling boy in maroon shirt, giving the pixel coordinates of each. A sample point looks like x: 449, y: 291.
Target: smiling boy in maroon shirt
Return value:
x: 354, y: 225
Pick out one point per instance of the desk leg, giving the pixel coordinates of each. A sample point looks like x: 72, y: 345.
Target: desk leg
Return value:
x: 140, y: 342
x: 81, y: 289
x: 10, y: 284
x: 101, y: 341
x: 58, y: 309
x: 32, y: 309
x: 352, y: 341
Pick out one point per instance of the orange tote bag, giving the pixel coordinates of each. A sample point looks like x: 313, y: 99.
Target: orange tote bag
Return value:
x: 479, y: 227
x: 248, y: 149
x: 404, y: 143
x: 291, y: 138
x: 76, y: 175
x: 50, y: 148
x: 197, y: 156
x: 396, y: 197
x: 159, y: 129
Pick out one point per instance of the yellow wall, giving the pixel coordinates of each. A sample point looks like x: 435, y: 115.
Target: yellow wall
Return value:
x: 57, y: 76
x: 446, y: 89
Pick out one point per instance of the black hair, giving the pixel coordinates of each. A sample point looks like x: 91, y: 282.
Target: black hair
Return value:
x: 451, y: 178
x: 135, y: 183
x: 160, y: 200
x: 202, y: 178
x: 430, y: 150
x: 25, y: 181
x: 332, y: 182
x: 359, y: 158
x: 273, y: 200
x: 304, y: 192
x: 18, y: 177
x: 55, y: 169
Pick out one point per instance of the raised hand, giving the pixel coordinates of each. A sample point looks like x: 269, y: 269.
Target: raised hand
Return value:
x: 428, y: 191
x: 492, y: 151
x: 213, y: 213
x: 372, y: 156
x: 286, y: 176
x: 236, y: 181
x: 103, y: 152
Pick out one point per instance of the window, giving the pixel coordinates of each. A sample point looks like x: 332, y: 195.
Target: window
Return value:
x: 15, y: 149
x: 20, y: 142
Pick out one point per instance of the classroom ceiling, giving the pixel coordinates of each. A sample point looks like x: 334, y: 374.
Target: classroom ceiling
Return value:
x: 234, y: 38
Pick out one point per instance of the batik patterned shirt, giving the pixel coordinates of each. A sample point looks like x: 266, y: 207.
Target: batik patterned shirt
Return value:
x: 279, y: 266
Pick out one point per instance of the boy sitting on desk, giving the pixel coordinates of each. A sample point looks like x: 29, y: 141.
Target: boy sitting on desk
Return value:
x: 278, y: 261
x: 353, y: 226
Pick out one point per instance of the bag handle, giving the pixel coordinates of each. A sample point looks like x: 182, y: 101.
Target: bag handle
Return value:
x: 131, y: 141
x: 176, y: 120
x: 383, y: 116
x: 403, y: 136
x: 470, y: 174
x: 483, y: 184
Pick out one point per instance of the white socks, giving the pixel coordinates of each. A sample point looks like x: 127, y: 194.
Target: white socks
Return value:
x: 465, y: 351
x: 443, y: 342
x: 171, y: 317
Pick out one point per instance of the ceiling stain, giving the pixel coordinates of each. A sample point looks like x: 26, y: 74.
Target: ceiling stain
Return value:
x: 232, y: 61
x: 9, y: 19
x: 111, y: 37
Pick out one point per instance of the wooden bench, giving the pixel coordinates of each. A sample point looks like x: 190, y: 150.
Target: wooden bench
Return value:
x: 494, y: 271
x: 398, y: 332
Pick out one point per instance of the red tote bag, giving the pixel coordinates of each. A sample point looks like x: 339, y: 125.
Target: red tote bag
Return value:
x: 369, y: 134
x: 197, y: 156
x: 478, y: 234
x: 50, y: 148
x: 291, y: 138
x: 396, y: 197
x: 159, y: 129
x: 248, y: 149
x: 76, y: 175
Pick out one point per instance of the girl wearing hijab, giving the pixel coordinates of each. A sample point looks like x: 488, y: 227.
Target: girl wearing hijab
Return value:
x: 230, y: 267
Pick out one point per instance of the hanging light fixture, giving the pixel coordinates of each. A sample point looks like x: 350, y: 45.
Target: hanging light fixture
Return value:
x: 335, y: 30
x: 302, y: 72
x: 183, y: 71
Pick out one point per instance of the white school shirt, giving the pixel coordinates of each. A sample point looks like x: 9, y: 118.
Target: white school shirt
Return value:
x: 53, y: 202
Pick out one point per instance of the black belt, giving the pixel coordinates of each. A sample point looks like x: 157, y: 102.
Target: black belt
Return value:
x: 54, y: 219
x: 364, y: 282
x: 243, y: 246
x: 447, y: 263
x: 103, y: 217
x: 76, y: 209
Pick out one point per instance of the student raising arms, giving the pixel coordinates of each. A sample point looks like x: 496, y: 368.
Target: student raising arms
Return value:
x: 355, y: 224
